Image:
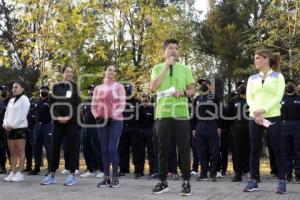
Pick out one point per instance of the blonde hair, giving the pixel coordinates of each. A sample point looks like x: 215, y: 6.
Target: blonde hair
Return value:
x: 274, y: 58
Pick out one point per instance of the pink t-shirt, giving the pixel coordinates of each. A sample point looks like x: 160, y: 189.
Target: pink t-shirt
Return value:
x: 109, y: 100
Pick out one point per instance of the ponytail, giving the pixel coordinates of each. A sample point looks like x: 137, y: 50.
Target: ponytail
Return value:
x: 274, y: 58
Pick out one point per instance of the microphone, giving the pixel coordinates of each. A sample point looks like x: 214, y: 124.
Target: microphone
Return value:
x: 171, y: 70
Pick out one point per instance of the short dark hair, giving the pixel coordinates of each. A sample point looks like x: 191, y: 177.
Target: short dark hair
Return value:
x: 21, y: 83
x: 170, y: 41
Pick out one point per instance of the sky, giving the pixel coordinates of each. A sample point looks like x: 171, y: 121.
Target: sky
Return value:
x: 202, y: 5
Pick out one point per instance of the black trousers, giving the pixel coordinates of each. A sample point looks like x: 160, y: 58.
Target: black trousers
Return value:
x: 67, y: 133
x: 4, y: 152
x: 241, y: 147
x: 223, y: 156
x: 275, y: 140
x: 29, y: 149
x: 164, y: 128
x: 131, y: 138
x: 148, y: 142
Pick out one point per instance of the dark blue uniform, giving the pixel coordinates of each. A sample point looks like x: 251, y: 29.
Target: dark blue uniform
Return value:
x: 42, y: 132
x: 90, y: 141
x: 290, y: 112
x: 206, y: 126
x: 4, y: 153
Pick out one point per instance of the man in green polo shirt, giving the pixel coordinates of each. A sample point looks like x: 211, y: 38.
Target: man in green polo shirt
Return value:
x: 173, y: 83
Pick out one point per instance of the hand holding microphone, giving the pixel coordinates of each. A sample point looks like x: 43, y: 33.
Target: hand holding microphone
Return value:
x: 170, y: 61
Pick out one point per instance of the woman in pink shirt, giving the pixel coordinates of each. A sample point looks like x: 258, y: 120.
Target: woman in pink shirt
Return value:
x: 108, y: 103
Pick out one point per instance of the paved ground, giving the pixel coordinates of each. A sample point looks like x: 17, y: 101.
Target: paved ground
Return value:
x: 140, y: 190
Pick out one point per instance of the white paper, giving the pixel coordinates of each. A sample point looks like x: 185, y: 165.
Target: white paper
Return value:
x: 166, y: 93
x: 68, y: 94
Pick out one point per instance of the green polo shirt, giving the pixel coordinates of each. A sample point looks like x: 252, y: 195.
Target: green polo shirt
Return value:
x: 173, y: 107
x: 267, y: 95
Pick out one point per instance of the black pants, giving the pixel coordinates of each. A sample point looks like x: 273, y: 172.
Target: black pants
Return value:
x: 195, y: 165
x: 164, y: 128
x: 29, y: 149
x: 275, y: 142
x: 4, y: 153
x: 131, y: 137
x: 223, y: 155
x: 241, y: 147
x: 67, y: 133
x: 173, y: 157
x: 91, y: 149
x: 148, y: 142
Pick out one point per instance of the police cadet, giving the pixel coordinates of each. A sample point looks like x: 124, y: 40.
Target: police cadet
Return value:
x: 4, y: 153
x: 131, y: 137
x: 42, y: 130
x: 237, y: 110
x: 290, y: 114
x: 146, y: 122
x: 90, y: 141
x: 206, y: 128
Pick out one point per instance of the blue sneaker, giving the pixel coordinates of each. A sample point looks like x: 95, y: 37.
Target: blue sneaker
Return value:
x: 251, y: 186
x: 48, y: 180
x: 70, y: 181
x: 281, y: 189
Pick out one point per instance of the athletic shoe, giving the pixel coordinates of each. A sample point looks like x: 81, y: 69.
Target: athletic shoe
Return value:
x: 202, y: 178
x: 49, y: 180
x: 18, y: 177
x: 219, y: 175
x: 100, y: 175
x: 194, y: 173
x: 77, y: 172
x: 251, y: 186
x: 237, y: 178
x: 65, y: 171
x: 87, y: 174
x: 186, y: 189
x: 161, y: 187
x: 104, y: 183
x: 114, y: 183
x: 34, y: 172
x: 9, y: 177
x: 297, y: 179
x: 70, y: 181
x: 152, y: 176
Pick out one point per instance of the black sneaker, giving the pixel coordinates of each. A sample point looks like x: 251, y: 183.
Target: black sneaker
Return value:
x: 104, y: 183
x: 152, y: 176
x: 161, y: 187
x: 114, y: 183
x: 186, y: 189
x: 213, y: 178
x: 202, y: 178
x: 34, y: 172
x: 237, y: 178
x: 138, y: 175
x: 2, y: 171
x: 297, y: 179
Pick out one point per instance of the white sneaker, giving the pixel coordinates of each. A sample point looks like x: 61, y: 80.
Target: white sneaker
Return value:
x: 65, y: 171
x: 18, y: 177
x: 194, y: 173
x: 100, y: 175
x: 219, y: 175
x: 87, y: 175
x: 9, y: 177
x: 77, y: 172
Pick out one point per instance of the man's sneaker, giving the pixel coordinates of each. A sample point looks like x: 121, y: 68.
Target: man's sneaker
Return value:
x: 297, y: 179
x: 70, y: 181
x: 237, y: 178
x: 114, y: 182
x: 202, y: 178
x: 251, y: 186
x: 9, y: 177
x: 77, y: 172
x: 213, y: 178
x: 152, y: 176
x: 289, y: 179
x: 219, y: 175
x: 194, y: 173
x: 186, y: 189
x: 49, y: 180
x: 161, y: 187
x: 18, y: 177
x: 87, y: 174
x: 104, y: 183
x: 281, y: 189
x: 34, y: 172
x: 100, y: 175
x: 65, y: 171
